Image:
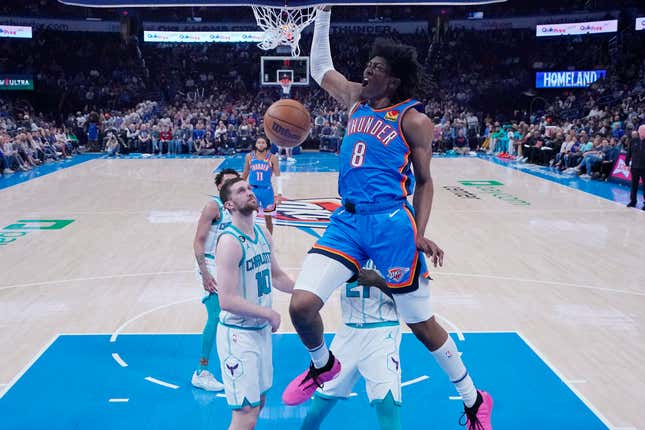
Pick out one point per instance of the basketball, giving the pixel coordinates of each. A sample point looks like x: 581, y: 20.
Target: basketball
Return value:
x: 287, y: 123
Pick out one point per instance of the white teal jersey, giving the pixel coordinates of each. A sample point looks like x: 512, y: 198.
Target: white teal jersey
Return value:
x: 367, y: 307
x: 255, y: 277
x: 217, y: 227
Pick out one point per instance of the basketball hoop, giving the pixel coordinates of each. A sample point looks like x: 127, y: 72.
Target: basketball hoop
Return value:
x: 285, y: 83
x: 283, y: 25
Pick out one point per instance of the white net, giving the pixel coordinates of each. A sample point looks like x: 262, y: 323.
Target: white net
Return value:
x: 283, y: 25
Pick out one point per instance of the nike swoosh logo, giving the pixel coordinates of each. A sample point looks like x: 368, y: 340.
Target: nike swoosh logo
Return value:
x: 394, y: 213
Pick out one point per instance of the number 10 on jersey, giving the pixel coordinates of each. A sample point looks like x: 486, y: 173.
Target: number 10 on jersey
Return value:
x: 264, y: 282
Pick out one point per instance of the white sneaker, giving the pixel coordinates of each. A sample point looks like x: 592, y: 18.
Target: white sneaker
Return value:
x: 291, y: 160
x: 206, y: 381
x: 8, y: 171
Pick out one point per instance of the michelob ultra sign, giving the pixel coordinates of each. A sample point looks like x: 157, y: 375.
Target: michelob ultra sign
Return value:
x: 16, y: 82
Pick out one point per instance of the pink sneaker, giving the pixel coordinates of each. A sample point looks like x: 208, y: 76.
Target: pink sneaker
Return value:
x: 478, y: 417
x: 304, y: 385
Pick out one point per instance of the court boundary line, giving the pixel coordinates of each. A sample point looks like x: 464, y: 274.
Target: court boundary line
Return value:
x: 119, y: 400
x: 510, y: 167
x: 162, y: 383
x: 94, y: 278
x: 565, y: 381
x: 116, y: 332
x: 438, y: 273
x: 460, y: 334
x: 537, y: 281
x: 18, y: 180
x: 31, y: 362
x: 119, y: 360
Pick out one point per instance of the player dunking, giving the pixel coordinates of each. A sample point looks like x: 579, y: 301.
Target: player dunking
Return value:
x: 212, y: 221
x: 259, y: 166
x: 386, y: 139
x: 368, y: 346
x: 247, y: 272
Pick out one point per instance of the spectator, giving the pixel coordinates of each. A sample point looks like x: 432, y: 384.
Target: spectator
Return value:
x: 636, y: 160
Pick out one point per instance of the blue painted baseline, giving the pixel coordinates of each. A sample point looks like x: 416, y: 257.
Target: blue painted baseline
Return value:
x: 70, y: 386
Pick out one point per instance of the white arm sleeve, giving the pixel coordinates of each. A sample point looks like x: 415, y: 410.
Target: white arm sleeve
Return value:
x: 321, y: 61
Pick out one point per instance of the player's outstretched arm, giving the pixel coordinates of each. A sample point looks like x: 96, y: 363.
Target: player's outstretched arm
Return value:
x: 322, y: 66
x: 279, y: 278
x: 228, y: 256
x: 275, y: 166
x: 247, y: 166
x: 419, y: 131
x: 208, y: 215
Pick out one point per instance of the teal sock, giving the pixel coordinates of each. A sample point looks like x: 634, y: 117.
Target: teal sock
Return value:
x: 388, y: 413
x: 210, y: 330
x: 317, y: 412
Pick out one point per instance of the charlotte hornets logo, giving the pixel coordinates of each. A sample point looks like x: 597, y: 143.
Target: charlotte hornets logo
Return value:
x: 393, y: 362
x: 234, y: 367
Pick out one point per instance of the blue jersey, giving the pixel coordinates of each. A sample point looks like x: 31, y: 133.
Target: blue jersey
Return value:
x: 260, y: 171
x: 375, y: 161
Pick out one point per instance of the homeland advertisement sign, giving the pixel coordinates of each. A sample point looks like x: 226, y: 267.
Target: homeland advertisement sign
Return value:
x: 568, y: 78
x: 640, y: 23
x: 19, y: 32
x: 203, y: 36
x: 569, y: 29
x: 621, y: 171
x: 16, y: 82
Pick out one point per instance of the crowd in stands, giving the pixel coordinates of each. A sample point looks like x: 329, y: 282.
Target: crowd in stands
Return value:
x: 96, y: 92
x: 28, y: 142
x: 384, y: 12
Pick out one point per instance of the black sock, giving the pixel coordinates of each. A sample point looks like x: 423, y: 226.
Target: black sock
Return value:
x: 478, y: 402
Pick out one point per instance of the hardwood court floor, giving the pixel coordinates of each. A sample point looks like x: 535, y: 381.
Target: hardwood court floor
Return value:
x: 562, y: 267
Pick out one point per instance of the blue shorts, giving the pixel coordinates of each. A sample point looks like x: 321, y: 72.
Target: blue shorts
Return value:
x: 266, y: 199
x: 387, y: 238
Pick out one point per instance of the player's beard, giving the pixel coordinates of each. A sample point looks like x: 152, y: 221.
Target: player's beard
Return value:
x: 249, y: 208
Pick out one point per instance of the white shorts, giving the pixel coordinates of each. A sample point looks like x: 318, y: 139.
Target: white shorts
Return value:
x: 247, y: 364
x: 210, y: 265
x: 415, y: 307
x: 372, y: 353
x: 321, y: 275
